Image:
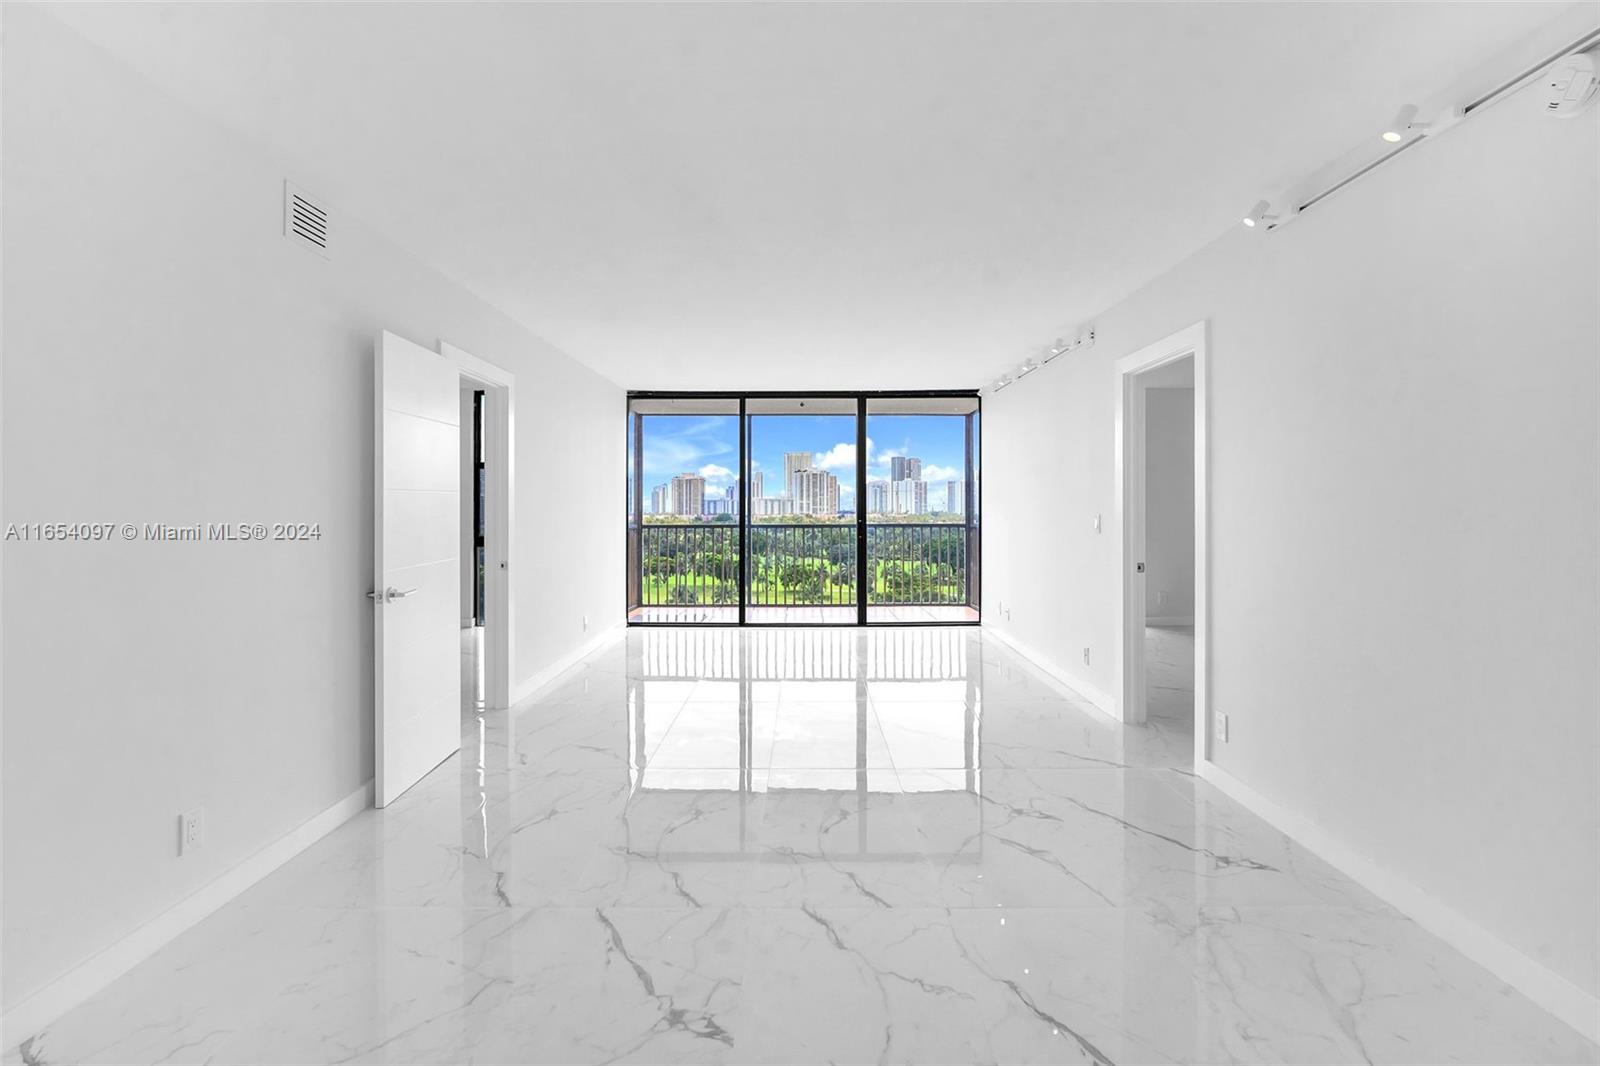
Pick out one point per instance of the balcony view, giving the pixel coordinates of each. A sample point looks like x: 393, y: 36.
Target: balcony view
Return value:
x: 757, y: 517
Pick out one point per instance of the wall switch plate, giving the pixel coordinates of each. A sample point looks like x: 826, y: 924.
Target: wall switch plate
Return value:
x: 1097, y: 523
x: 1220, y: 728
x: 191, y: 830
x: 1161, y: 597
x: 1086, y: 656
x: 586, y: 623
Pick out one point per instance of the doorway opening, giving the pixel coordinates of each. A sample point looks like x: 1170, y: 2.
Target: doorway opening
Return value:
x: 432, y: 452
x: 487, y: 509
x: 473, y: 491
x: 1163, y: 642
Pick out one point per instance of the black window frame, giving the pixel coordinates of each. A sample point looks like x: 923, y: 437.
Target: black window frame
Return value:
x: 972, y: 502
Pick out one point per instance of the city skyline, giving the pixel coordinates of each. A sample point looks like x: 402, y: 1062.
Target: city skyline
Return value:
x: 708, y: 446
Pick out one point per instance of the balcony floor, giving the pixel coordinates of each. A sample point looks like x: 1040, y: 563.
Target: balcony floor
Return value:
x: 695, y: 614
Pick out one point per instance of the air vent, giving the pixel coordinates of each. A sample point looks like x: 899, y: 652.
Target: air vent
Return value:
x: 305, y: 221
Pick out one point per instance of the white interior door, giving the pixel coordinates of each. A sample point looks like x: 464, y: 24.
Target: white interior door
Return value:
x: 417, y: 576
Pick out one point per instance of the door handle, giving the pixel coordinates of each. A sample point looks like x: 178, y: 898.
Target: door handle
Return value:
x: 390, y: 594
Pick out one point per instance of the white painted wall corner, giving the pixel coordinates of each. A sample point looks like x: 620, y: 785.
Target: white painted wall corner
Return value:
x: 36, y: 1012
x: 1540, y: 984
x: 1076, y: 687
x: 531, y: 686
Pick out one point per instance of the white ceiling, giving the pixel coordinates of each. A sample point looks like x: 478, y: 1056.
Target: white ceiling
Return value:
x: 810, y: 195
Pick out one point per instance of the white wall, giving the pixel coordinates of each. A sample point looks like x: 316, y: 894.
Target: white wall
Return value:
x: 169, y: 357
x: 1169, y: 502
x: 1403, y: 402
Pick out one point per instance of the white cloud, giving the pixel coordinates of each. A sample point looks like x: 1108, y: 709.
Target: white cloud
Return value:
x: 934, y: 472
x: 840, y: 456
x: 711, y: 471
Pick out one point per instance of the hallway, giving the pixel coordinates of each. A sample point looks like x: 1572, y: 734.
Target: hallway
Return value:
x: 897, y: 845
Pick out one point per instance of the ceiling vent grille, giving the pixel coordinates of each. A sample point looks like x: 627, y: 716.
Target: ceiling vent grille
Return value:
x: 305, y: 221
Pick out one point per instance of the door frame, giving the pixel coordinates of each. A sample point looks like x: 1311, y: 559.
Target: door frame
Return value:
x: 1129, y: 672
x: 499, y: 518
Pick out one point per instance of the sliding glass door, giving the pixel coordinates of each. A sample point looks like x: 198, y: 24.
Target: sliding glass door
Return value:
x: 683, y: 517
x: 800, y: 562
x: 921, y: 535
x: 827, y: 509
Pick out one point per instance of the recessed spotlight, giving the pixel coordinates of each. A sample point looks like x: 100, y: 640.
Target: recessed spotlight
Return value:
x: 1027, y: 368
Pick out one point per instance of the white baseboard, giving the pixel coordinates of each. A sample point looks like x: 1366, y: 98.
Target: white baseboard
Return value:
x: 31, y: 1015
x: 527, y: 687
x: 1075, y: 685
x: 1548, y: 989
x: 1170, y: 620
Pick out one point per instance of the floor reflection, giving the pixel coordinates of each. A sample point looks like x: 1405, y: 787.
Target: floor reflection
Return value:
x: 836, y: 720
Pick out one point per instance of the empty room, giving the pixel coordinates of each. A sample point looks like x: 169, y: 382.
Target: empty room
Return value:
x: 882, y: 533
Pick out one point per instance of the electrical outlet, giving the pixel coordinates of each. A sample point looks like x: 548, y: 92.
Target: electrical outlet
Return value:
x: 191, y: 830
x: 1161, y: 598
x: 1220, y: 728
x: 586, y: 623
x: 1086, y: 656
x: 1097, y: 523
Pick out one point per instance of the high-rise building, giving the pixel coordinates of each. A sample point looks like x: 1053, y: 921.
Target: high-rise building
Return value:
x: 815, y: 492
x: 732, y: 498
x: 660, y: 500
x: 769, y: 506
x: 954, y: 495
x: 688, y: 494
x: 908, y: 497
x: 905, y: 468
x: 877, y: 497
x: 757, y: 484
x: 793, y: 463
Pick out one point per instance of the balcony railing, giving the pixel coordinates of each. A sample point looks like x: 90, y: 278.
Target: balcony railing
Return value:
x: 805, y: 564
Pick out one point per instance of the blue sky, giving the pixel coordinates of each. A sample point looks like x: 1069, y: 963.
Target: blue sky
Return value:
x: 709, y: 445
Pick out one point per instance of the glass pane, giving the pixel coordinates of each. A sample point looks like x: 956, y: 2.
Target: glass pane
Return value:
x: 921, y: 533
x: 802, y: 532
x: 683, y: 522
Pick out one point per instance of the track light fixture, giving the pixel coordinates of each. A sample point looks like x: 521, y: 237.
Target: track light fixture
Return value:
x: 1260, y: 216
x: 1051, y: 354
x: 1404, y: 125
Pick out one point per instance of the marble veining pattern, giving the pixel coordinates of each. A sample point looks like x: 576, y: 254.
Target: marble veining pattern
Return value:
x: 798, y: 846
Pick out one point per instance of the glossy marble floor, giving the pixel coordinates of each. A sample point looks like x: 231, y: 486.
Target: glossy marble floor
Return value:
x: 806, y: 846
x: 1169, y: 676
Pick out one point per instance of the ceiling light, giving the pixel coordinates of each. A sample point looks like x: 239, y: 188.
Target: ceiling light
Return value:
x: 1002, y: 383
x: 1260, y: 216
x: 1405, y: 123
x: 1027, y: 368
